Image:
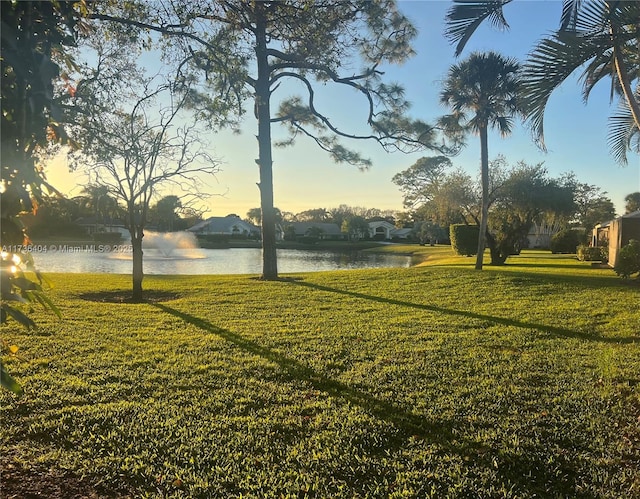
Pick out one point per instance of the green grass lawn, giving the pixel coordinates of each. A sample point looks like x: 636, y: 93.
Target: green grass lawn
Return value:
x: 434, y: 381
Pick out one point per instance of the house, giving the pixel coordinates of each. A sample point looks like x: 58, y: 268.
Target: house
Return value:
x: 402, y: 234
x: 99, y: 225
x: 620, y: 231
x: 381, y: 229
x: 231, y: 225
x: 325, y: 231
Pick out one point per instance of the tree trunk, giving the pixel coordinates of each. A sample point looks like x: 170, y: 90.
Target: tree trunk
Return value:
x: 494, y: 250
x: 138, y: 275
x: 623, y: 73
x: 484, y: 174
x: 265, y: 161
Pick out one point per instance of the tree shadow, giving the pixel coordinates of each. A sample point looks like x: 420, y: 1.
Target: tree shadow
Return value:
x: 585, y: 281
x: 518, y: 263
x: 409, y: 423
x: 526, y: 475
x: 545, y: 328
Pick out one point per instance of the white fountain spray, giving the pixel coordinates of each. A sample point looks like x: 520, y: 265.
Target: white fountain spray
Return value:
x: 176, y: 245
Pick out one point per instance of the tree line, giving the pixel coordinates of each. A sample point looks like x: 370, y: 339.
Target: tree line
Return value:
x: 522, y: 200
x: 63, y: 217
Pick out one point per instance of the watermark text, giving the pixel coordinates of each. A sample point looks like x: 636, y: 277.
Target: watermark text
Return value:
x: 68, y: 248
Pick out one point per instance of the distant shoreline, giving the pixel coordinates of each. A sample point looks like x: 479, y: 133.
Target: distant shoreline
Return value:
x: 320, y: 245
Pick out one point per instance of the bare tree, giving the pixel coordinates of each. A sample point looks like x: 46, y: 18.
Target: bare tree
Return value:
x: 137, y: 140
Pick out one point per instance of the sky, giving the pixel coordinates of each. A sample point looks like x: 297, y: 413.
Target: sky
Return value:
x: 305, y: 177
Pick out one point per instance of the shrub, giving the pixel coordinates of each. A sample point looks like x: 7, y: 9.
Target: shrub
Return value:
x: 464, y: 239
x: 212, y: 240
x: 107, y: 237
x: 590, y: 253
x: 604, y: 250
x: 565, y: 241
x: 308, y: 239
x: 628, y: 262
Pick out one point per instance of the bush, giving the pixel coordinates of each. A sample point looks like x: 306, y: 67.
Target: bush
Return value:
x: 212, y: 240
x: 308, y: 240
x: 604, y: 250
x: 590, y: 253
x: 464, y: 239
x: 628, y: 262
x: 107, y: 237
x: 565, y: 241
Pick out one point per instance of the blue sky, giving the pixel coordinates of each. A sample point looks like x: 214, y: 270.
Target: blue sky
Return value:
x: 305, y: 177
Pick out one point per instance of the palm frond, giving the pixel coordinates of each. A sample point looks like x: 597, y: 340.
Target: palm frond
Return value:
x: 570, y: 10
x: 465, y: 16
x: 583, y: 17
x: 623, y: 134
x: 504, y: 124
x: 599, y: 68
x: 553, y: 60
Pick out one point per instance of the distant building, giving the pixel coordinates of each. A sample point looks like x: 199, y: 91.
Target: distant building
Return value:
x: 325, y: 231
x: 402, y: 234
x: 618, y: 232
x: 381, y: 229
x: 99, y: 225
x: 231, y: 225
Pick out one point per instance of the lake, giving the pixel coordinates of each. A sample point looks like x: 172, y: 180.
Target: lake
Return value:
x: 207, y: 261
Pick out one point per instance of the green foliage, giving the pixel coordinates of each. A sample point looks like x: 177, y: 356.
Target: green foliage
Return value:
x: 206, y: 240
x: 36, y: 41
x: 565, y: 241
x: 604, y: 250
x: 632, y: 202
x: 592, y: 206
x: 424, y: 382
x: 481, y: 93
x: 428, y: 231
x: 464, y: 239
x: 524, y: 196
x: 591, y: 35
x: 419, y: 183
x: 36, y: 37
x: 590, y: 253
x: 356, y: 227
x: 308, y: 239
x: 8, y: 382
x: 107, y: 237
x: 628, y: 261
x: 20, y: 292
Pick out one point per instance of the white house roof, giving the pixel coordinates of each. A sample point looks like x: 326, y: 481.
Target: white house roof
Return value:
x: 382, y: 223
x: 223, y: 225
x: 401, y: 232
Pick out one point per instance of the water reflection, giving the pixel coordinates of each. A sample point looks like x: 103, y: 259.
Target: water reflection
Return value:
x: 215, y: 261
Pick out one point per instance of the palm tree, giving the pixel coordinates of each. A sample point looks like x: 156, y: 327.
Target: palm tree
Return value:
x: 481, y: 92
x: 98, y: 200
x: 632, y: 202
x: 602, y: 36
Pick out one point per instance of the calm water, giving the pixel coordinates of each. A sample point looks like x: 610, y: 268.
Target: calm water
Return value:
x: 211, y: 261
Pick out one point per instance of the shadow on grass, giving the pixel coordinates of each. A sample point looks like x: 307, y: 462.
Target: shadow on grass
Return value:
x: 558, y: 331
x: 518, y: 263
x: 411, y: 424
x: 529, y: 474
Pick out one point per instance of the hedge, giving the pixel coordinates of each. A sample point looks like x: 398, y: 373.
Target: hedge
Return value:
x: 464, y: 239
